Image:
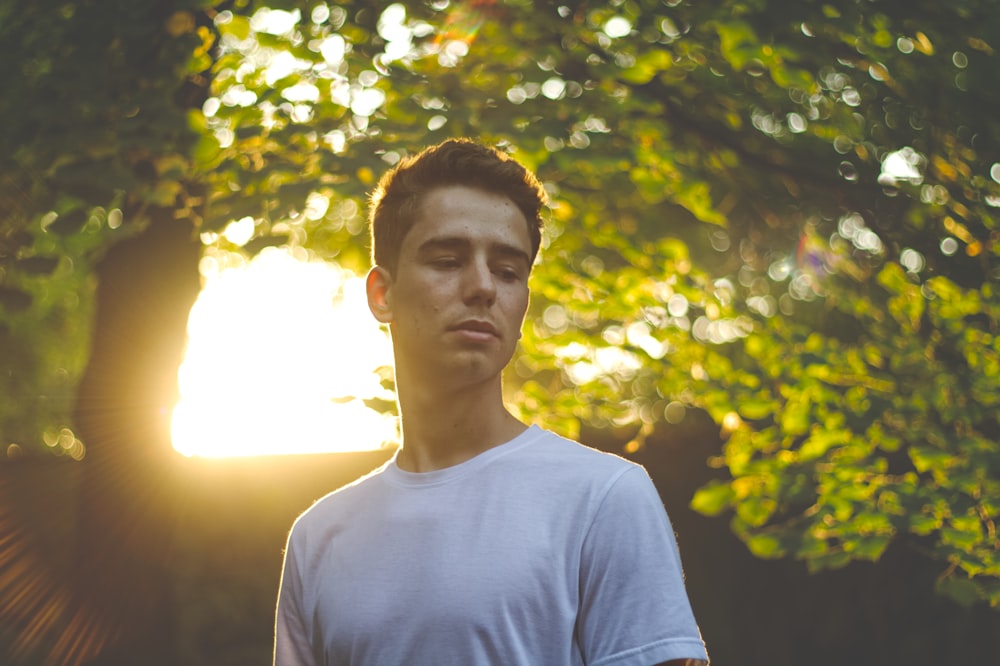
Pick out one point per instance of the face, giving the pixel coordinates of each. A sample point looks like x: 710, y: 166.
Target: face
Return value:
x: 460, y: 291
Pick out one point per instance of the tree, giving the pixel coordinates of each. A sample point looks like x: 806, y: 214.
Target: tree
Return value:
x: 96, y: 143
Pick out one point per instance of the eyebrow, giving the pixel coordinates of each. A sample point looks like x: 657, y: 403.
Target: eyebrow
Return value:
x: 459, y: 243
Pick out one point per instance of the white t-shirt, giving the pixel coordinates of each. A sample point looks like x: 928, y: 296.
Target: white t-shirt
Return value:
x: 539, y: 551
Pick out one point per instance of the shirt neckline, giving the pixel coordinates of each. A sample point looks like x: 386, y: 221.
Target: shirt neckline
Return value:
x: 400, y: 477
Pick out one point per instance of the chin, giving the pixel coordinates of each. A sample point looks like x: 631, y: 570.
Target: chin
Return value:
x: 472, y: 369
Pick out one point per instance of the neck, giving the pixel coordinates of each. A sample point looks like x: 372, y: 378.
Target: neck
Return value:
x: 444, y: 428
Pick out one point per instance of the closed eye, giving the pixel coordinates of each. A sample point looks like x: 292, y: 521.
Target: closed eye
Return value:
x: 508, y: 274
x: 445, y: 263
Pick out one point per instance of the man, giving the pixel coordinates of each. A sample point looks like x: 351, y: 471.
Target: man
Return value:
x: 484, y: 541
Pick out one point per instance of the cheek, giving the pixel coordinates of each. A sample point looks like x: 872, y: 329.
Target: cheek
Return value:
x: 421, y: 309
x: 518, y: 303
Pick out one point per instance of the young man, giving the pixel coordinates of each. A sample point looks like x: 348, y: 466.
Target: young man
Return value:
x: 483, y: 541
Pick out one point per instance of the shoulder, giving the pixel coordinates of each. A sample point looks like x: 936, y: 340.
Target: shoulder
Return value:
x: 618, y: 493
x: 567, y: 469
x: 333, y: 508
x: 567, y: 458
x: 567, y: 451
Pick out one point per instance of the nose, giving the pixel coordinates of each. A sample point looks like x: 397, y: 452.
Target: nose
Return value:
x: 480, y: 283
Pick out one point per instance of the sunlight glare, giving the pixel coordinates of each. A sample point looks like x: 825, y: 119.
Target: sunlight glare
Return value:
x: 281, y: 355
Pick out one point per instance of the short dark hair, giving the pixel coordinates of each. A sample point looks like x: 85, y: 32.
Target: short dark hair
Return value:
x: 396, y: 201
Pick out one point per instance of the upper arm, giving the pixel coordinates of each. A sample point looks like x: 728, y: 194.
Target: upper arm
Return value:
x: 292, y: 643
x: 632, y: 596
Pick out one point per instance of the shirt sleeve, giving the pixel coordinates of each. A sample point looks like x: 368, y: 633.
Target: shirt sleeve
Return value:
x: 292, y: 646
x: 634, y: 610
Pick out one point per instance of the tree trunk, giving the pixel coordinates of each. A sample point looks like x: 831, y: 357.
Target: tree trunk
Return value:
x: 146, y: 287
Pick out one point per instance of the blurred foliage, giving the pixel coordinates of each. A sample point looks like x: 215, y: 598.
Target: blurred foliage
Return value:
x: 93, y: 135
x: 781, y: 213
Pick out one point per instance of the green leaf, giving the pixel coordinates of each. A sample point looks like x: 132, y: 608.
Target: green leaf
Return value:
x: 765, y: 545
x: 961, y: 590
x: 870, y: 548
x: 820, y: 441
x: 756, y: 409
x: 207, y: 152
x: 238, y: 27
x: 926, y: 459
x: 963, y: 539
x: 755, y: 510
x: 795, y: 417
x: 923, y: 524
x: 736, y: 41
x: 647, y: 66
x: 713, y: 498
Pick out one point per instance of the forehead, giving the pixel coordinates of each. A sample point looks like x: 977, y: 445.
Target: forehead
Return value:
x: 459, y: 213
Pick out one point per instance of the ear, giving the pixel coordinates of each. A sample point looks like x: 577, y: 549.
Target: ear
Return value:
x: 377, y: 286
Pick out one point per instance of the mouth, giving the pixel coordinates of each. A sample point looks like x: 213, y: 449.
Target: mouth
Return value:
x: 476, y: 327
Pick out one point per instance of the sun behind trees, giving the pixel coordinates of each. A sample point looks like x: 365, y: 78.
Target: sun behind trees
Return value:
x: 781, y: 215
x: 282, y: 356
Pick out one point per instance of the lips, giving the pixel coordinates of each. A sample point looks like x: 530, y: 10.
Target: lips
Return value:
x: 476, y: 326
